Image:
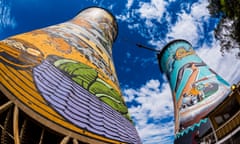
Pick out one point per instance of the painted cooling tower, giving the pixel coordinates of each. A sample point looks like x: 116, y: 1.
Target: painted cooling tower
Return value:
x: 196, y: 89
x: 63, y: 77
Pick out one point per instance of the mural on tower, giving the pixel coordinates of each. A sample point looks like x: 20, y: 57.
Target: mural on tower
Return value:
x: 65, y: 74
x: 196, y: 88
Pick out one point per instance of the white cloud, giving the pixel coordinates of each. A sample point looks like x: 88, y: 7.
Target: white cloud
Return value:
x: 152, y: 10
x: 226, y: 66
x: 154, y: 104
x: 6, y: 20
x: 150, y: 16
x: 142, y: 18
x: 190, y: 25
x: 129, y: 3
x: 185, y: 28
x: 199, y: 10
x: 125, y: 17
x: 134, y: 26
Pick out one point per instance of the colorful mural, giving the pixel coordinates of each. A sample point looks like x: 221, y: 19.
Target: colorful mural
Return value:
x: 65, y: 75
x: 196, y: 88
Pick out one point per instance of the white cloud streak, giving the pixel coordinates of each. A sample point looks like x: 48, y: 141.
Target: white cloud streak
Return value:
x: 152, y: 10
x: 129, y: 3
x: 154, y: 106
x: 147, y: 12
x: 185, y: 28
x: 6, y: 20
x: 226, y: 66
x: 190, y: 26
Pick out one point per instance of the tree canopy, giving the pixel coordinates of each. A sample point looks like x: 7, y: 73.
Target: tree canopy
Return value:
x: 228, y: 29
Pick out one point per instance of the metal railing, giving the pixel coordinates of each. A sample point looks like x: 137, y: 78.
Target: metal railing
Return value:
x: 228, y: 126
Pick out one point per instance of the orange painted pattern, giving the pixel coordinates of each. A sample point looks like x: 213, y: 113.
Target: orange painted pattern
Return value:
x: 29, y: 50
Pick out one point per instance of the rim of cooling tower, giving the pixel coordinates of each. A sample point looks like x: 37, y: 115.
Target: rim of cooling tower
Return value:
x: 108, y: 11
x: 159, y: 55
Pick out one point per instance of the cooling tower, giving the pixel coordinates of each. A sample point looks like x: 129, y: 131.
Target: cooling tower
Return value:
x: 196, y: 89
x: 59, y: 85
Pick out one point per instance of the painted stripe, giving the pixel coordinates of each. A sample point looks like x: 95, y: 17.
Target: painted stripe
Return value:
x: 5, y: 81
x: 75, y: 106
x: 28, y: 86
x: 24, y: 96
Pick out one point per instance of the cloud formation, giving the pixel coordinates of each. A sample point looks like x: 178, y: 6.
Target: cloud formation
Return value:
x: 226, y: 66
x: 6, y: 20
x: 185, y: 28
x: 152, y: 112
x: 129, y: 3
x: 152, y: 10
x: 189, y: 25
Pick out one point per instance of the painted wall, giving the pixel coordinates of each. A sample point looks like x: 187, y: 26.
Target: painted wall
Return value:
x: 196, y: 89
x: 65, y: 73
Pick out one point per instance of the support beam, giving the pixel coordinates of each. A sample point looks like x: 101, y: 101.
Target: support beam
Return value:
x: 42, y: 135
x: 5, y: 106
x: 75, y: 141
x: 65, y: 140
x: 15, y: 125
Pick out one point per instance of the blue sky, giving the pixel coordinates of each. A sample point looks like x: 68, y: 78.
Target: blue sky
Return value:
x: 152, y: 23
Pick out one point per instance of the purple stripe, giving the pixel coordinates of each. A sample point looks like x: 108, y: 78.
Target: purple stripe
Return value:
x: 73, y: 119
x: 80, y: 107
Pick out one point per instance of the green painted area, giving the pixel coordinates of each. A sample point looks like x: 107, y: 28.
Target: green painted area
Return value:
x: 88, y: 78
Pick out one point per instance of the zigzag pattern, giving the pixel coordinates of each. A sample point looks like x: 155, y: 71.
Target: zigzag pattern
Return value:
x: 191, y: 128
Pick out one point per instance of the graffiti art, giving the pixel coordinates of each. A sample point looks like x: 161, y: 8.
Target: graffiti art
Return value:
x: 196, y: 88
x: 63, y: 75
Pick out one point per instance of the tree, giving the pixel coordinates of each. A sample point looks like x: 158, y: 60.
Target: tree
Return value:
x: 228, y: 29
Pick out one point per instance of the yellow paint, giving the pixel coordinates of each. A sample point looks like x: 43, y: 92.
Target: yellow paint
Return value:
x: 9, y: 50
x: 17, y: 88
x: 43, y: 41
x: 182, y: 52
x: 27, y: 78
x: 33, y: 47
x: 194, y: 91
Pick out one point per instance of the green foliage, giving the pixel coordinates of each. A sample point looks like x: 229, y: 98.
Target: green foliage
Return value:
x: 214, y: 8
x: 228, y: 29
